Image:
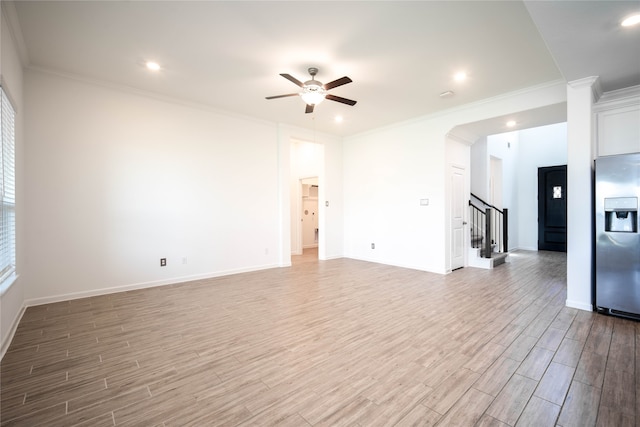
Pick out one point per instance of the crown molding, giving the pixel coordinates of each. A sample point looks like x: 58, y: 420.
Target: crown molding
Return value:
x: 465, y: 107
x: 11, y: 15
x: 462, y: 136
x: 592, y: 82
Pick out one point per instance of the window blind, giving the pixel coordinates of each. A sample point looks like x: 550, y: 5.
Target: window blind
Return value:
x: 7, y: 190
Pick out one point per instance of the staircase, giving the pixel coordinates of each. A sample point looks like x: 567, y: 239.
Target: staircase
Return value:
x: 487, y: 220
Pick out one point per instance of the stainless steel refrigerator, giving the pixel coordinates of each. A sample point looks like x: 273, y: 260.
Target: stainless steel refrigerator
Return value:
x: 617, y: 241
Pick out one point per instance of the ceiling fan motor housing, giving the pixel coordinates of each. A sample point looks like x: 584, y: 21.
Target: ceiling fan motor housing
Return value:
x: 313, y: 86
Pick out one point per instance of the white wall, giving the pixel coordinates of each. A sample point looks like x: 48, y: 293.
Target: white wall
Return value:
x: 479, y: 168
x: 11, y: 298
x: 538, y: 147
x: 505, y: 147
x: 331, y: 200
x: 116, y: 181
x: 580, y: 155
x: 618, y: 122
x: 388, y: 171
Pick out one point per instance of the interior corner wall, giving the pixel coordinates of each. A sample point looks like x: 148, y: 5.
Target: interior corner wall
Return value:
x: 116, y: 180
x: 479, y: 166
x: 506, y: 146
x: 386, y: 173
x: 11, y: 72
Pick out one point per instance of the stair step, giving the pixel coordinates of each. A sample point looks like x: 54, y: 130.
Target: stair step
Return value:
x: 477, y: 260
x: 499, y: 258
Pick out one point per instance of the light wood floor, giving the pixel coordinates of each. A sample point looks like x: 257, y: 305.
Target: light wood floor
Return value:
x: 329, y: 343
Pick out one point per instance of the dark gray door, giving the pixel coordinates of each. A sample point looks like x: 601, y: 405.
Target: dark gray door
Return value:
x: 552, y: 208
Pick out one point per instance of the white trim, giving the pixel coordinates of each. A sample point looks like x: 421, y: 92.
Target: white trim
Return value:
x: 7, y: 93
x: 465, y: 107
x: 579, y: 305
x: 146, y: 94
x: 6, y: 341
x: 462, y: 136
x: 621, y: 98
x: 392, y: 264
x: 593, y: 82
x: 8, y: 283
x: 143, y: 285
x: 327, y: 258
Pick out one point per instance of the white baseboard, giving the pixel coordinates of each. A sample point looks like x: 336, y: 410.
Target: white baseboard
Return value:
x: 392, y: 264
x: 329, y: 257
x: 143, y: 285
x: 6, y: 342
x: 579, y: 305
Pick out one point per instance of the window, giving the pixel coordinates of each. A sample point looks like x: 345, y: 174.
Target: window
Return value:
x: 7, y: 191
x: 557, y: 192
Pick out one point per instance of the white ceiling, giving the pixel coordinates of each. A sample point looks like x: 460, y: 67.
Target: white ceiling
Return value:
x: 400, y: 55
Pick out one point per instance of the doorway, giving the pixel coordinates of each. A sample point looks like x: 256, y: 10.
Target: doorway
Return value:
x: 306, y: 174
x: 552, y: 208
x: 309, y: 214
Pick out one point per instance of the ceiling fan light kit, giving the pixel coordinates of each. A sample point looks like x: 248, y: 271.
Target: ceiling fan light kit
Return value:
x: 314, y: 92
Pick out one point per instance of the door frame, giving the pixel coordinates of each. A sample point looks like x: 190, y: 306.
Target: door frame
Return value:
x: 542, y: 206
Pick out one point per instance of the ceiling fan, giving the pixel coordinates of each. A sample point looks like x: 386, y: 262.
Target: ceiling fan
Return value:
x: 314, y: 92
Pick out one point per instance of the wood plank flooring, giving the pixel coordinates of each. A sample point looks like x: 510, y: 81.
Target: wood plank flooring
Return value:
x: 328, y: 343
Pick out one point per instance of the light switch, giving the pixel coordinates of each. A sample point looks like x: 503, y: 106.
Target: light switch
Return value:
x: 424, y: 202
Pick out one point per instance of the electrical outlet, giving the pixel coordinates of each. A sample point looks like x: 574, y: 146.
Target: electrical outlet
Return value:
x: 163, y: 262
x: 373, y: 246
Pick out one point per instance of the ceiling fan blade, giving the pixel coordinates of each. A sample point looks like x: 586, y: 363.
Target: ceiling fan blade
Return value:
x: 341, y: 81
x: 282, y: 96
x: 292, y: 79
x: 340, y: 99
x: 309, y: 108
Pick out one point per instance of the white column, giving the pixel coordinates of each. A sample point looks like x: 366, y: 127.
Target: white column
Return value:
x: 581, y: 95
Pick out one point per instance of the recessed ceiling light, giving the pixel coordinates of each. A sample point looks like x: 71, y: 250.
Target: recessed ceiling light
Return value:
x: 631, y: 20
x: 460, y: 76
x: 511, y: 123
x: 339, y: 119
x: 153, y: 66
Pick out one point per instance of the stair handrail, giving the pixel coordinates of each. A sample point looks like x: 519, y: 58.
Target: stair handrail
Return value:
x: 489, y: 205
x: 500, y: 232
